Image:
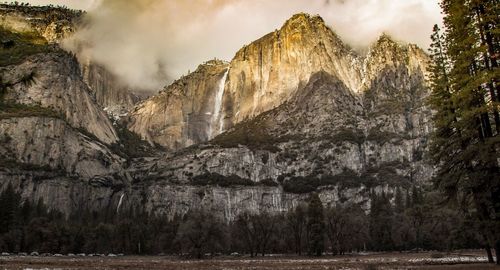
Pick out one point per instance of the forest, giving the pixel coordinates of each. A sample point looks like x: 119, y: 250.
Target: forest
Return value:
x: 414, y: 222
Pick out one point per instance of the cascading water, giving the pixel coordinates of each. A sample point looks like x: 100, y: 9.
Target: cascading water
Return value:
x: 215, y: 122
x: 120, y: 202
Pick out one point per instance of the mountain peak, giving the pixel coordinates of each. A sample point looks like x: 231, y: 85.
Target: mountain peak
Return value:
x: 304, y: 17
x: 386, y: 39
x: 304, y: 20
x: 386, y: 44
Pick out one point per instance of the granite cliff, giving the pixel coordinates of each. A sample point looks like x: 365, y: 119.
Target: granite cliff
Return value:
x: 293, y: 112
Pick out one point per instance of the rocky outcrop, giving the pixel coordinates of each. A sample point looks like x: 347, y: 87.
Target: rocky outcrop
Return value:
x: 51, y: 143
x: 57, y: 25
x: 262, y: 76
x: 321, y: 132
x: 116, y: 99
x: 54, y: 80
x: 269, y: 71
x: 54, y: 24
x: 186, y: 112
x: 66, y: 194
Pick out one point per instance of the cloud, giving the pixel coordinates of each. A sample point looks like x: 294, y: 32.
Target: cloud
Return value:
x: 148, y: 43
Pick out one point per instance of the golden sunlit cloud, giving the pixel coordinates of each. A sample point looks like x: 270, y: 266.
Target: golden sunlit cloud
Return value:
x: 150, y: 42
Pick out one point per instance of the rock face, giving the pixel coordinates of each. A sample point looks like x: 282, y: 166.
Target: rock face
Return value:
x: 268, y: 73
x: 352, y: 138
x: 116, y: 99
x: 57, y: 84
x: 261, y: 76
x: 52, y: 143
x: 295, y: 111
x: 186, y: 112
x: 54, y: 24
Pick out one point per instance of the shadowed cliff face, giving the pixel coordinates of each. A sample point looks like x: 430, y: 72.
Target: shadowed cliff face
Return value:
x: 116, y: 99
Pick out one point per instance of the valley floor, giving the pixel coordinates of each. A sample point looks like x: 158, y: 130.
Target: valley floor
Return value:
x: 456, y: 261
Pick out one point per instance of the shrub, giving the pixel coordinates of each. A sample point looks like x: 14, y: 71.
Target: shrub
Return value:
x: 301, y: 185
x: 251, y: 133
x: 11, y: 110
x: 437, y: 255
x: 130, y: 144
x: 268, y: 182
x: 381, y: 137
x: 346, y: 179
x: 354, y: 136
x: 20, y: 46
x: 215, y: 179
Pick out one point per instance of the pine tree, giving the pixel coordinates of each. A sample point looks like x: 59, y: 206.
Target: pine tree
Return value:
x: 315, y: 225
x: 464, y: 80
x: 399, y: 204
x: 9, y: 201
x: 381, y: 216
x: 296, y: 221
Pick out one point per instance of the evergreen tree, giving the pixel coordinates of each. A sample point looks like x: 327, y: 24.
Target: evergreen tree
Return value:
x: 381, y: 216
x: 315, y: 225
x: 9, y: 201
x: 399, y: 204
x: 297, y: 222
x: 464, y: 79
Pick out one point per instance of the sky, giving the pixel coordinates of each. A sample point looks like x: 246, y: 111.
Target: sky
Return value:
x: 148, y: 43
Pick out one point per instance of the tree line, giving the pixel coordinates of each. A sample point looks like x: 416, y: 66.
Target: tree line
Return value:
x: 404, y: 220
x: 464, y: 76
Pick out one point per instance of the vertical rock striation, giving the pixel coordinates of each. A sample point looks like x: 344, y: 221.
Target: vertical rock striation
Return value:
x: 183, y: 113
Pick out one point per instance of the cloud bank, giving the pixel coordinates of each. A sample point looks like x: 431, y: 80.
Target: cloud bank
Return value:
x: 148, y: 43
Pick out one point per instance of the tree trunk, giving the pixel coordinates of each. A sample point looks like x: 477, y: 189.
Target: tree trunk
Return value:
x: 497, y: 251
x: 487, y: 39
x: 488, y: 252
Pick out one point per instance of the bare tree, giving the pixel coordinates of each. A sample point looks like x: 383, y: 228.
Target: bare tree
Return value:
x: 199, y: 232
x: 255, y: 230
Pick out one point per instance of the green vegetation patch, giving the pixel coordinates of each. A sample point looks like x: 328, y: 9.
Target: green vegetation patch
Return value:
x: 14, y: 110
x: 252, y: 134
x: 354, y: 136
x: 387, y: 173
x: 346, y: 179
x: 215, y: 179
x: 9, y: 163
x: 16, y: 46
x: 131, y: 145
x: 382, y: 137
x: 268, y: 182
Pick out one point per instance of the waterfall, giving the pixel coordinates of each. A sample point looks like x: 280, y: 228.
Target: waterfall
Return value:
x: 120, y: 202
x: 215, y: 121
x: 228, y: 212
